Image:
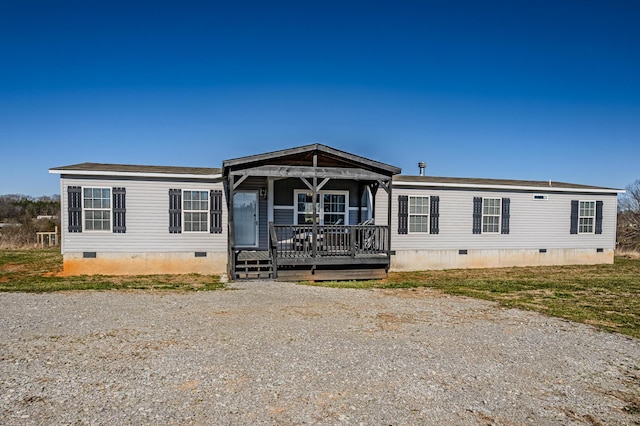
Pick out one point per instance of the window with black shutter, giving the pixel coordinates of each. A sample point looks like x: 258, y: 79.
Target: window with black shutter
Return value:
x: 599, y: 206
x: 119, y: 210
x: 434, y: 208
x: 215, y: 206
x: 74, y: 207
x: 506, y: 206
x: 175, y: 211
x: 403, y: 214
x: 477, y: 215
x: 586, y: 217
x: 574, y: 216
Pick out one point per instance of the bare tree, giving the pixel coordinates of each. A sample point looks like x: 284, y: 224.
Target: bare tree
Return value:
x: 628, y: 232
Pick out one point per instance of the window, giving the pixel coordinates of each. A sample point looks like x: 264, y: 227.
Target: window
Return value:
x: 418, y: 214
x: 197, y: 211
x: 304, y: 207
x: 491, y: 215
x: 195, y: 208
x: 586, y: 217
x: 334, y: 208
x: 331, y: 207
x: 97, y: 209
x: 94, y: 209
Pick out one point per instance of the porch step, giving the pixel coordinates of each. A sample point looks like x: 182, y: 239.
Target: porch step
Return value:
x: 253, y: 265
x: 332, y: 274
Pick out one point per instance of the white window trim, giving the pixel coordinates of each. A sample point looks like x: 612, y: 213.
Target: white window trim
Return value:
x: 593, y: 224
x: 85, y: 209
x: 320, y: 208
x: 208, y: 211
x: 491, y: 215
x: 409, y: 214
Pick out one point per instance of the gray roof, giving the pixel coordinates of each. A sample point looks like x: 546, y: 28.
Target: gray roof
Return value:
x: 457, y: 181
x: 138, y: 169
x: 440, y: 181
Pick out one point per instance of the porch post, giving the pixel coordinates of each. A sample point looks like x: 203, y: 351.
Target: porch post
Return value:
x: 314, y: 192
x: 390, y: 185
x: 361, y: 189
x: 270, y: 199
x: 231, y: 231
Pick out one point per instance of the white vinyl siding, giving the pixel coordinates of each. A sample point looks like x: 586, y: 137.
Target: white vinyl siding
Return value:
x: 586, y: 217
x: 533, y: 224
x: 147, y: 220
x: 96, y: 209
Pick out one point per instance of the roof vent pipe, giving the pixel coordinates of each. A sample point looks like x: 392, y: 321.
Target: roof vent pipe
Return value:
x: 422, y: 165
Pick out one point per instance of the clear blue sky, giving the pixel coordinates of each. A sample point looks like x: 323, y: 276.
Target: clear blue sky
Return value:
x: 501, y: 89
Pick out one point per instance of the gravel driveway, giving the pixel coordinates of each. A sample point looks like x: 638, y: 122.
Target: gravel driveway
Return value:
x: 279, y: 353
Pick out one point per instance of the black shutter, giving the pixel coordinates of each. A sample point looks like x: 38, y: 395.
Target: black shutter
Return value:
x: 175, y: 211
x: 574, y: 216
x: 598, y: 217
x: 403, y: 214
x: 506, y: 205
x: 119, y: 210
x: 74, y: 202
x: 477, y: 215
x: 434, y: 209
x: 216, y: 211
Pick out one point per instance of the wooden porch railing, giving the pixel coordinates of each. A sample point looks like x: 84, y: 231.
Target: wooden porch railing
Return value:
x: 297, y: 241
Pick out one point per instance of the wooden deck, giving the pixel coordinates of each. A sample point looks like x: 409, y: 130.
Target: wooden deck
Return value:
x: 304, y: 253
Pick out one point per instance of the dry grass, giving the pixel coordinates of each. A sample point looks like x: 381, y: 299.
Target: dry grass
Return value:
x: 35, y: 270
x: 629, y: 254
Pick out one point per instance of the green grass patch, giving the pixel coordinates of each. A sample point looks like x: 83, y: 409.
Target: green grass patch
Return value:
x: 35, y: 270
x: 606, y: 296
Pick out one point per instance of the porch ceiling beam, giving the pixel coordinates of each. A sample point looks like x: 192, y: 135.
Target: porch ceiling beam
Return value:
x: 311, y: 172
x: 385, y: 185
x: 321, y: 184
x: 239, y: 181
x: 306, y: 182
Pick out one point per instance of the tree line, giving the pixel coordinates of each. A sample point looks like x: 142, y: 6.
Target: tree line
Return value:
x: 628, y: 232
x: 17, y: 208
x: 19, y: 218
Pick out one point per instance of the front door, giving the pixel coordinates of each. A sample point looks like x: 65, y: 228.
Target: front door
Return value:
x: 245, y: 218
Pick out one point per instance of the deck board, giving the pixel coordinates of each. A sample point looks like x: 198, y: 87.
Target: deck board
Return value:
x: 253, y: 255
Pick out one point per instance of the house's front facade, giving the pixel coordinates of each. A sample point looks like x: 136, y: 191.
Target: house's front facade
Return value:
x: 255, y: 217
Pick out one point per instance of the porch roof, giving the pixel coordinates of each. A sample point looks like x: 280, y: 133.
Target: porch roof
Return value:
x: 298, y: 161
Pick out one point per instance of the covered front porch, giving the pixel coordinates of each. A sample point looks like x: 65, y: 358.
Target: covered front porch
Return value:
x: 308, y: 213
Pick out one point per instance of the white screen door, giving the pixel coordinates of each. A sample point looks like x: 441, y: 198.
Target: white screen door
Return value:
x: 245, y: 218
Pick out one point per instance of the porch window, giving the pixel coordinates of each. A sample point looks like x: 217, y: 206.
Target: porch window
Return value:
x: 334, y: 208
x: 97, y: 209
x: 304, y: 207
x: 195, y: 207
x: 331, y: 207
